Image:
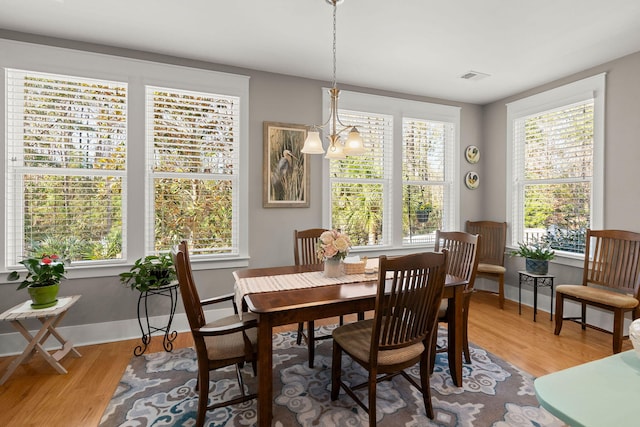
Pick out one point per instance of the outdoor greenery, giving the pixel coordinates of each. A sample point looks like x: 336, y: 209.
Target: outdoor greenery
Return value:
x: 149, y: 272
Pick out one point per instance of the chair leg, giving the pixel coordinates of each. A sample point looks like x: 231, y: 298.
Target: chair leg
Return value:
x: 426, y: 387
x: 559, y: 313
x: 618, y: 327
x: 584, y: 316
x: 501, y: 291
x: 433, y: 341
x: 300, y: 332
x: 203, y: 395
x: 465, y: 332
x: 373, y: 373
x: 336, y: 370
x: 311, y: 345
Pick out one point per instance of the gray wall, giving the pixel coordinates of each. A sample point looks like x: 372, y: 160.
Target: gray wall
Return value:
x: 272, y: 97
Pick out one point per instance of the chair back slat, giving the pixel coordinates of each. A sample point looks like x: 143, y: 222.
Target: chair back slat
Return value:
x: 188, y: 290
x: 493, y: 237
x: 305, y: 246
x: 462, y: 259
x: 612, y: 259
x: 407, y: 304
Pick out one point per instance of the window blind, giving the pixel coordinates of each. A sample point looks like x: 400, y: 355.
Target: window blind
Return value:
x: 66, y: 152
x: 193, y: 142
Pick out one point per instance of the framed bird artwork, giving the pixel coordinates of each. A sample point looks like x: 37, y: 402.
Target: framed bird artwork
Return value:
x: 286, y: 169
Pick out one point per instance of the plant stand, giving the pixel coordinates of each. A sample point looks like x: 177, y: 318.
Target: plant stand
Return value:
x: 537, y: 280
x: 147, y: 330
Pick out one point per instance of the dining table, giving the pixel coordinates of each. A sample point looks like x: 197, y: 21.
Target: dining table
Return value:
x: 278, y: 304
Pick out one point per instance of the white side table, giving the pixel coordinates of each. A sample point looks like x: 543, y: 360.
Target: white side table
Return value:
x: 50, y: 318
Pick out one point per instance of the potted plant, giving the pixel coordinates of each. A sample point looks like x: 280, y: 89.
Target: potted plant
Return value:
x: 423, y: 210
x: 537, y: 256
x: 149, y: 272
x: 42, y: 280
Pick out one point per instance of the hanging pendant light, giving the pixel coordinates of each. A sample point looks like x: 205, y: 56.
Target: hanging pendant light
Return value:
x: 354, y: 144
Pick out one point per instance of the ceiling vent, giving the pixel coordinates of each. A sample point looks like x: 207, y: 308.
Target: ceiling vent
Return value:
x: 474, y: 75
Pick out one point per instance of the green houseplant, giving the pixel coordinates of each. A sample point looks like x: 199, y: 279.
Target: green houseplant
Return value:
x: 149, y: 272
x: 42, y: 280
x: 537, y: 256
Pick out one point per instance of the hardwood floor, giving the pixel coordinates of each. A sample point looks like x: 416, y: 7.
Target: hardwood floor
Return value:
x: 36, y: 395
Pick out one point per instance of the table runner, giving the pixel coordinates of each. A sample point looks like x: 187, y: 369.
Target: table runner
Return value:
x: 283, y: 282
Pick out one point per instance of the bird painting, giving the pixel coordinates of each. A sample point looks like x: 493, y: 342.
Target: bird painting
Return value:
x: 286, y: 168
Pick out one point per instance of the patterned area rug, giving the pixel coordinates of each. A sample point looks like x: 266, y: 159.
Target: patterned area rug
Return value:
x: 158, y: 390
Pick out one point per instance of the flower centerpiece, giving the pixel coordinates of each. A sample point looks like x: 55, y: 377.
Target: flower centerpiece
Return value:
x: 537, y: 255
x: 42, y: 280
x: 333, y: 246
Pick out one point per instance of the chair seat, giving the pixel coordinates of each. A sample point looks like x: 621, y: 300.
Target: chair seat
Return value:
x: 355, y: 339
x: 229, y: 346
x: 596, y: 295
x: 491, y: 268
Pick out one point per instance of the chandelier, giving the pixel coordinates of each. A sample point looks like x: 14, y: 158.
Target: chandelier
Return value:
x: 354, y: 144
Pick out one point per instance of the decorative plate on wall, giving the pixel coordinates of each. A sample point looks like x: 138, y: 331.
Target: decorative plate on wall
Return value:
x: 472, y: 154
x: 472, y: 180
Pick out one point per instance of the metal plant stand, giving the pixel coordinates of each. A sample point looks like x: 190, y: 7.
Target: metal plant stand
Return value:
x: 147, y: 330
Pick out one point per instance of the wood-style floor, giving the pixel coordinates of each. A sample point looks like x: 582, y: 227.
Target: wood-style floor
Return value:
x: 37, y: 396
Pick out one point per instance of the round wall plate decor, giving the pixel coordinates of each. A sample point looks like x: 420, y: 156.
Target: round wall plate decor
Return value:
x: 472, y: 154
x: 472, y: 180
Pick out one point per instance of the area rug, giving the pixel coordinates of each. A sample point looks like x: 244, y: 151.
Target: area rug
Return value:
x: 158, y: 389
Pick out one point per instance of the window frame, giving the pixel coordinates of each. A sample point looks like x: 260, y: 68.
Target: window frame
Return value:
x: 137, y: 74
x: 398, y: 108
x: 562, y: 96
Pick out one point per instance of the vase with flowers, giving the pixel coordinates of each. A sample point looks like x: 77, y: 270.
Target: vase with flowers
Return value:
x: 333, y: 246
x: 42, y: 280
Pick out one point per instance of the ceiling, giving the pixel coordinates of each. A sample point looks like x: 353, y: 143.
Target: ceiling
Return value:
x: 419, y: 47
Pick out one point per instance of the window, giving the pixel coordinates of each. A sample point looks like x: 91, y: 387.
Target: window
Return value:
x: 409, y: 163
x: 193, y: 139
x: 556, y: 157
x: 66, y: 166
x: 109, y: 159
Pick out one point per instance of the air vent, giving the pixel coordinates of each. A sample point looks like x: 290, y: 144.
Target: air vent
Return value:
x: 474, y: 75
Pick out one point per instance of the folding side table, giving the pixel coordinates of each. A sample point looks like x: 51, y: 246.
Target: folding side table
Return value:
x: 49, y: 318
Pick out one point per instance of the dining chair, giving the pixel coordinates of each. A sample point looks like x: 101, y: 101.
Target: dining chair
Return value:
x: 400, y: 332
x: 462, y: 261
x: 491, y: 251
x: 304, y: 253
x: 610, y: 281
x: 224, y: 342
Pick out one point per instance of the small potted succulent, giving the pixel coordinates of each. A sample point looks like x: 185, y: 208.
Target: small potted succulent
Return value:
x: 537, y: 256
x: 42, y: 280
x: 150, y: 272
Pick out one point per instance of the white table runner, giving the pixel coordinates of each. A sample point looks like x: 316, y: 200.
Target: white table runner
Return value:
x: 285, y: 282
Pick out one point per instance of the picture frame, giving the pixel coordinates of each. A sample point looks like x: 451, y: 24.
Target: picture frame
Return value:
x: 285, y: 169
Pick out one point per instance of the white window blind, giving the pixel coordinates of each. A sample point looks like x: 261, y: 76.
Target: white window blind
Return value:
x: 66, y: 161
x: 553, y: 161
x: 193, y: 142
x: 360, y: 184
x: 425, y: 146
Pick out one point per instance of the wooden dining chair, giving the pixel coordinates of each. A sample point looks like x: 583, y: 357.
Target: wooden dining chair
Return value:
x: 400, y: 332
x: 462, y: 262
x: 304, y: 253
x: 491, y: 249
x: 223, y: 342
x: 610, y: 281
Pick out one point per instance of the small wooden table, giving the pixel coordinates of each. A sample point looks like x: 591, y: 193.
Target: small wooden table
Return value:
x: 300, y: 305
x: 600, y: 393
x: 50, y: 318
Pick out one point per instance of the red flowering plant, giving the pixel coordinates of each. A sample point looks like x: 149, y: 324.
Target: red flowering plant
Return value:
x: 44, y: 271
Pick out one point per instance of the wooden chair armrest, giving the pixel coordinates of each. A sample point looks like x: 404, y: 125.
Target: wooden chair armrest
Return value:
x: 218, y: 299
x: 227, y: 329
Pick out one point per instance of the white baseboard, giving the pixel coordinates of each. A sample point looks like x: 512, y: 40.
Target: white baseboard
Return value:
x: 100, y: 333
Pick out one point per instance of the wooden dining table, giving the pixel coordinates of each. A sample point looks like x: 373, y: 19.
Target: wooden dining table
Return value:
x: 284, y: 307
